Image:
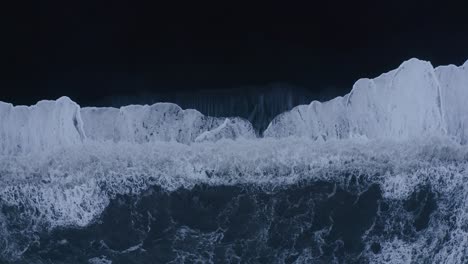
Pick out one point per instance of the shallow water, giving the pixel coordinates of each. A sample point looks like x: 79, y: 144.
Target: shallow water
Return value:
x: 222, y: 224
x: 285, y: 201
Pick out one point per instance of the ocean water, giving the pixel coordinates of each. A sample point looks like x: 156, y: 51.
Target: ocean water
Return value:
x: 248, y: 201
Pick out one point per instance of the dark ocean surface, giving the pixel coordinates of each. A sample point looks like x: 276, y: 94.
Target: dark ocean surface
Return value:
x: 303, y: 223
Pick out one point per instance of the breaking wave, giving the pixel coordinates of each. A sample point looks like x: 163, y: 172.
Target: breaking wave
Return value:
x: 376, y: 176
x: 76, y: 188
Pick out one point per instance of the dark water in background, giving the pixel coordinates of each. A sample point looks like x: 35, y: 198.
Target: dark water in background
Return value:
x: 308, y: 222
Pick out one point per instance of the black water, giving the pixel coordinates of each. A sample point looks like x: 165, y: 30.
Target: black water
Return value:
x: 308, y: 222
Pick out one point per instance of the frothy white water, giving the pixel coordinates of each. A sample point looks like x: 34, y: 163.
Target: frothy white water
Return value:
x: 412, y: 101
x: 60, y: 165
x: 454, y: 91
x: 51, y: 125
x: 72, y: 187
x: 41, y: 127
x: 160, y: 122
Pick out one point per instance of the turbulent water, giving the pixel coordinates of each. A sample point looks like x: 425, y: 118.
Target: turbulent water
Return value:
x: 263, y: 201
x: 257, y: 104
x: 376, y: 176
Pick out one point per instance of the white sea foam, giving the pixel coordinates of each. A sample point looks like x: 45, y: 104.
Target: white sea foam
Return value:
x: 41, y: 127
x: 160, y: 122
x: 412, y: 101
x: 60, y: 164
x: 99, y: 260
x: 72, y: 187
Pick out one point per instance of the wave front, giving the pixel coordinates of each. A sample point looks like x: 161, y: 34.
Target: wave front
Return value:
x: 375, y: 176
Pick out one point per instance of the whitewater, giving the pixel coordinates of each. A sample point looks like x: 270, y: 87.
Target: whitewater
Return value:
x: 376, y: 176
